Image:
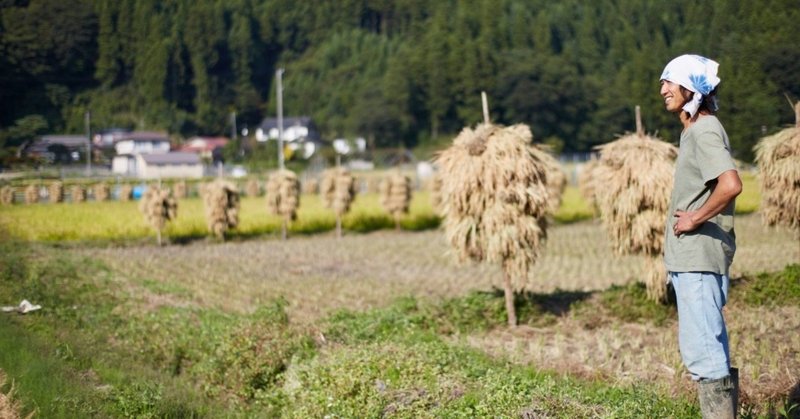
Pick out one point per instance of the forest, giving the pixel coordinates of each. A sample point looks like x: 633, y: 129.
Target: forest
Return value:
x: 400, y: 73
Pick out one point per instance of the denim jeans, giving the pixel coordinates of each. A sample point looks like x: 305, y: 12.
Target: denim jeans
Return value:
x: 702, y: 336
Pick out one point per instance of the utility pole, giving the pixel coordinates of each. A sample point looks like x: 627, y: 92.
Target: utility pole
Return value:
x: 233, y: 125
x: 279, y: 77
x: 88, y: 121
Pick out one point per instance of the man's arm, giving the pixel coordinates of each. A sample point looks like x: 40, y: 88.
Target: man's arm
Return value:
x: 729, y: 185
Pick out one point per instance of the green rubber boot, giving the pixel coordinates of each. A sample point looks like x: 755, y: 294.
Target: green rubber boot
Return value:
x: 719, y: 398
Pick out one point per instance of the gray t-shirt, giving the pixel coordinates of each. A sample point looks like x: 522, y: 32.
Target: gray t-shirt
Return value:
x: 705, y: 153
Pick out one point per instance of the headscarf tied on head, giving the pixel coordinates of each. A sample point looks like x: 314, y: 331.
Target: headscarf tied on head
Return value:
x: 696, y: 73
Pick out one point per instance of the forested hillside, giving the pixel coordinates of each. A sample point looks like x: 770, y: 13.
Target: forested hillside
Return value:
x: 397, y: 72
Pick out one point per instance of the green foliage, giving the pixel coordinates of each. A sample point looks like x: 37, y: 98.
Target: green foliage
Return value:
x: 630, y: 303
x: 772, y: 289
x: 396, y: 73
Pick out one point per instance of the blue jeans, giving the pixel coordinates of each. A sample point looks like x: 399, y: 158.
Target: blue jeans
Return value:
x: 702, y: 336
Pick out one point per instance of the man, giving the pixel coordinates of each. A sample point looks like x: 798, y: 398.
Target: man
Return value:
x: 700, y: 240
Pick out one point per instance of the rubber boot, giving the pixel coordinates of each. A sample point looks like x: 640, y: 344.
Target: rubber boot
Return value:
x: 718, y: 398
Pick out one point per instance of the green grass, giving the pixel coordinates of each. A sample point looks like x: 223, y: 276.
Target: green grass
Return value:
x: 115, y: 221
x: 772, y: 289
x: 93, y: 351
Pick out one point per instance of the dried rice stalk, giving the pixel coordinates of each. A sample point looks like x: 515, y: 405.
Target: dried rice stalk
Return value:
x: 636, y: 174
x: 159, y: 207
x: 31, y: 194
x: 338, y: 189
x: 7, y: 195
x: 101, y: 192
x: 56, y: 192
x: 77, y: 193
x: 10, y: 406
x: 587, y: 182
x: 125, y: 192
x: 556, y: 179
x: 495, y: 200
x: 395, y: 191
x: 252, y: 188
x: 310, y: 186
x: 778, y: 158
x: 435, y: 187
x: 180, y: 189
x: 283, y: 197
x: 373, y: 185
x: 221, y: 199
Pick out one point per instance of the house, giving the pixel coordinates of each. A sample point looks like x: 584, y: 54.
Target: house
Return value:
x: 204, y: 146
x: 140, y: 142
x: 176, y: 164
x: 299, y: 128
x: 58, y: 148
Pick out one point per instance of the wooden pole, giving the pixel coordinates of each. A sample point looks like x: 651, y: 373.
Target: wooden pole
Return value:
x: 485, y: 107
x: 509, y: 296
x: 639, y: 127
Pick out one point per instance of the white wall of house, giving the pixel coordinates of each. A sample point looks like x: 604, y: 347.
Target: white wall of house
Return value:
x: 139, y: 147
x: 153, y: 171
x: 124, y: 165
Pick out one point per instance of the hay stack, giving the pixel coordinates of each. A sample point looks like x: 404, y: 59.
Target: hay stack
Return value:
x: 556, y: 179
x: 252, y: 188
x: 7, y: 195
x: 159, y: 207
x: 101, y: 192
x: 180, y: 190
x: 495, y: 200
x: 636, y: 173
x: 125, y: 192
x: 395, y: 191
x: 283, y: 197
x: 56, y: 192
x: 586, y: 182
x: 310, y: 186
x: 338, y: 189
x: 778, y: 158
x: 221, y: 199
x: 31, y: 194
x: 77, y: 193
x: 435, y: 187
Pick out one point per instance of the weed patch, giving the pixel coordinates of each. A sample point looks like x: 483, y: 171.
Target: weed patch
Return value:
x: 772, y: 289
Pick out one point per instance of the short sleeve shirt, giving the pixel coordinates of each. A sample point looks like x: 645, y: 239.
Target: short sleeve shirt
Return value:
x: 704, y: 155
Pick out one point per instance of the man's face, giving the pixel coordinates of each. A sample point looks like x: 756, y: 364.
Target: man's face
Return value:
x: 674, y: 95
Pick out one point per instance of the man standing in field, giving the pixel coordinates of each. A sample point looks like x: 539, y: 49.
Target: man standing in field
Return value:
x: 700, y: 240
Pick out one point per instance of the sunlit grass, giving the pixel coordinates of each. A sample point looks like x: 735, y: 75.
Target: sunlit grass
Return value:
x: 119, y: 221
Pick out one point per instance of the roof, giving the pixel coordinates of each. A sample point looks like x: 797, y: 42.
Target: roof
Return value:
x: 175, y: 157
x: 144, y: 136
x: 199, y: 144
x: 66, y: 140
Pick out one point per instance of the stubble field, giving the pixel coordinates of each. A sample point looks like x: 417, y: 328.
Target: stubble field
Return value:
x: 319, y: 275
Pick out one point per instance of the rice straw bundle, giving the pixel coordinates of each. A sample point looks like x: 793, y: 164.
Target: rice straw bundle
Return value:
x: 435, y: 187
x: 158, y: 207
x: 556, y: 179
x: 252, y: 188
x: 31, y: 194
x: 125, y: 192
x: 310, y: 186
x: 56, y: 192
x: 495, y: 200
x: 778, y: 158
x: 180, y: 190
x: 77, y: 193
x: 395, y: 191
x: 221, y: 199
x: 338, y: 189
x: 101, y: 192
x: 587, y: 182
x: 7, y: 195
x: 283, y: 196
x: 373, y: 184
x: 636, y: 173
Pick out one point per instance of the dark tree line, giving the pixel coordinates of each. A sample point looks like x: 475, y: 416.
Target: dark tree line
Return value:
x: 398, y: 72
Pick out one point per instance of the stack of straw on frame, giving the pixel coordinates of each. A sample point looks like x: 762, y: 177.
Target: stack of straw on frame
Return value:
x: 283, y: 194
x: 221, y: 199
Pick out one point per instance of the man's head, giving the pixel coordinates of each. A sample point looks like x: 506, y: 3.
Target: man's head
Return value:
x: 689, y: 83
